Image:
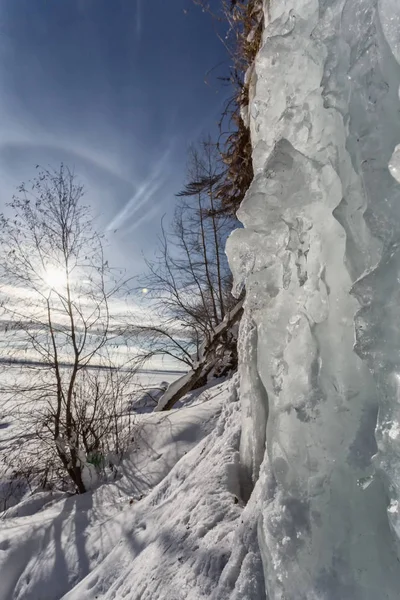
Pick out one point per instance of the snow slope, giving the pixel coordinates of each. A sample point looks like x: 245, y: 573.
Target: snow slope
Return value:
x: 17, y: 430
x: 163, y: 531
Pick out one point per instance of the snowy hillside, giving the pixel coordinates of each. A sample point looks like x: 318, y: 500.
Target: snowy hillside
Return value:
x: 173, y: 510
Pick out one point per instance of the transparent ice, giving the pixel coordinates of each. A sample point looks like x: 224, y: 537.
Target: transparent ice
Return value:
x: 319, y: 256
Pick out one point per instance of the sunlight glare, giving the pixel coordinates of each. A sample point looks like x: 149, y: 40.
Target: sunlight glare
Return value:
x: 55, y: 278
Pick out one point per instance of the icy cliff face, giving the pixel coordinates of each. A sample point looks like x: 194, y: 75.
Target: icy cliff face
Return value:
x: 320, y: 252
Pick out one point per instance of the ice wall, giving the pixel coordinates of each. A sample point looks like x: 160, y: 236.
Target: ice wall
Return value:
x: 321, y: 231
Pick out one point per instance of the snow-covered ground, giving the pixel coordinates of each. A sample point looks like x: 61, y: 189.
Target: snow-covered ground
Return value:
x: 164, y: 530
x: 20, y: 415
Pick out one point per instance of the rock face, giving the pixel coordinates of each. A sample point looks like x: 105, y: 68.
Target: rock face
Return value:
x: 319, y: 255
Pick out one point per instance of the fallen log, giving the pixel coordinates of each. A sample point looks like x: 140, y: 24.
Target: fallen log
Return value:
x: 209, y: 357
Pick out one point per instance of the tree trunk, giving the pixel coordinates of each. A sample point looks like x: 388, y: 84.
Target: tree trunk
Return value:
x: 208, y: 359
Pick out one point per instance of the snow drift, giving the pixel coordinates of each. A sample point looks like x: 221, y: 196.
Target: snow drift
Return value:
x: 321, y: 237
x: 129, y: 538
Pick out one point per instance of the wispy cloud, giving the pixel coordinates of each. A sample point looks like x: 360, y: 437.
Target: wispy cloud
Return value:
x: 144, y: 193
x: 145, y: 217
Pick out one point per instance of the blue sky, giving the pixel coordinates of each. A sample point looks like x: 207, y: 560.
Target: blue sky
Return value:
x: 115, y: 89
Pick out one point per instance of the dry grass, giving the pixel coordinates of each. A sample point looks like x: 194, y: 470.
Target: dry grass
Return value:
x: 243, y: 40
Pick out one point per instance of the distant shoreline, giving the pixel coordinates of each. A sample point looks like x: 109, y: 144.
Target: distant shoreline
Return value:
x: 40, y: 365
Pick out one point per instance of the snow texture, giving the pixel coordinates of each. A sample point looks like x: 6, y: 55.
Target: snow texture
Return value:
x: 163, y: 531
x: 321, y: 237
x: 148, y: 400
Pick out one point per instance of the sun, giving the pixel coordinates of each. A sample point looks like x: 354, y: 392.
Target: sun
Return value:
x: 55, y: 278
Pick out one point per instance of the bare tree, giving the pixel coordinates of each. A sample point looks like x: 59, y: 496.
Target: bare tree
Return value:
x: 55, y: 291
x: 188, y: 283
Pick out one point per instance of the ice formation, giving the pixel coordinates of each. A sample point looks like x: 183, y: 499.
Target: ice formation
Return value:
x: 320, y: 258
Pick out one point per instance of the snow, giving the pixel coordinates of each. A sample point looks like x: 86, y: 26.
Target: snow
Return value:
x: 177, y: 542
x: 173, y: 388
x: 15, y: 419
x: 287, y: 486
x: 320, y: 215
x: 147, y: 401
x: 164, y: 530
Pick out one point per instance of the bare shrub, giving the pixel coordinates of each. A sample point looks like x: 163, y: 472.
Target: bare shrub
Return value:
x: 56, y: 287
